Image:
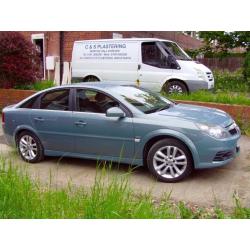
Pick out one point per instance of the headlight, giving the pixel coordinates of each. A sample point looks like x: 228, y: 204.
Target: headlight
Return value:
x: 201, y: 75
x: 214, y: 131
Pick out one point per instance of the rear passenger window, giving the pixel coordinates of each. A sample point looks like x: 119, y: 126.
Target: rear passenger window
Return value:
x: 30, y: 103
x: 56, y: 100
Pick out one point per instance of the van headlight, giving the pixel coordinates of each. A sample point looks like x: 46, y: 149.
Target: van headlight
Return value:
x: 214, y: 131
x: 201, y: 75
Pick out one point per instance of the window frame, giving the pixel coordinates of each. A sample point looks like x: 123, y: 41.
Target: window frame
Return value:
x: 74, y: 102
x: 54, y: 90
x: 157, y: 46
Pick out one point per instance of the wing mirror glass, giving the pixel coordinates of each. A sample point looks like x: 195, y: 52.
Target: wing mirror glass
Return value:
x: 115, y: 112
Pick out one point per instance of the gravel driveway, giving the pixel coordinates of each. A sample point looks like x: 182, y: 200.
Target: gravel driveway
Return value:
x: 203, y: 187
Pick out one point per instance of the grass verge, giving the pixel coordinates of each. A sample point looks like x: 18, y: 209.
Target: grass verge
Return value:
x: 217, y: 97
x: 108, y: 197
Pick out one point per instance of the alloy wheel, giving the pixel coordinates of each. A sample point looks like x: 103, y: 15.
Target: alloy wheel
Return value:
x: 170, y: 162
x: 28, y: 147
x: 175, y: 89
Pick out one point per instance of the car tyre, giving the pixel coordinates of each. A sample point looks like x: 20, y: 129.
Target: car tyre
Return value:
x: 169, y: 160
x: 29, y: 147
x: 176, y: 87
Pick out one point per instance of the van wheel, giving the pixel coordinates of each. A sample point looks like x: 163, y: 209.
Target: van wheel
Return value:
x: 176, y: 87
x: 91, y: 79
x: 169, y: 160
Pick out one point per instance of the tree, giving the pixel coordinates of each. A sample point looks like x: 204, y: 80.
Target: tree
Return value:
x: 19, y: 60
x: 222, y: 42
x: 225, y: 41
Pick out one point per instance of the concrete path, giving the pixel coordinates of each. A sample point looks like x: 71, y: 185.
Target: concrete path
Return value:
x: 203, y: 187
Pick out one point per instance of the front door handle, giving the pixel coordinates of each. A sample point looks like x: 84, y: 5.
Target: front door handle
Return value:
x: 139, y: 67
x: 80, y: 123
x: 39, y: 119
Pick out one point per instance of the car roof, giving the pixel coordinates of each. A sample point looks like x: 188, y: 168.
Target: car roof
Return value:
x: 97, y: 85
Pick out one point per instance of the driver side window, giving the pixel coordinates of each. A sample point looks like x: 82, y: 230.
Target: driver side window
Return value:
x: 93, y: 101
x: 151, y: 55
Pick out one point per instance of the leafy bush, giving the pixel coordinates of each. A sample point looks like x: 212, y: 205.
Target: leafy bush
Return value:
x: 19, y: 60
x: 231, y: 81
x: 246, y: 67
x: 41, y: 85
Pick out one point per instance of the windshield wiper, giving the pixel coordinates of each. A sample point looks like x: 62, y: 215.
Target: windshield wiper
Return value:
x: 157, y: 109
x: 164, y: 107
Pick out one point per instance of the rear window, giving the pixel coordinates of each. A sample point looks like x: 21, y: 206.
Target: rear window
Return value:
x: 30, y: 103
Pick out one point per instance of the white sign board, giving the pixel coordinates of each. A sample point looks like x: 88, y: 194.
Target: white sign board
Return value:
x: 106, y: 50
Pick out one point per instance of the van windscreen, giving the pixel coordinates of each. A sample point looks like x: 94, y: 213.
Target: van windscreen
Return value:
x: 179, y: 53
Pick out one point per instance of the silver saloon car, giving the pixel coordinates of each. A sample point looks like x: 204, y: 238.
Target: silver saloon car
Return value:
x: 121, y: 123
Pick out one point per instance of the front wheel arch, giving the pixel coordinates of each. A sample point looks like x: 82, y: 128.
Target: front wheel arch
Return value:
x: 155, y: 139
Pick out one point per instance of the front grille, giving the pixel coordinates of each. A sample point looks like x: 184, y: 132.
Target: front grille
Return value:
x: 210, y: 76
x: 223, y: 155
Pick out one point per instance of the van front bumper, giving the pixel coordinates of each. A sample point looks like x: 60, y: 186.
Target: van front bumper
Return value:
x: 194, y: 85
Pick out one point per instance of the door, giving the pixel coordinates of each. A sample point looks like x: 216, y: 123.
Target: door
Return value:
x: 53, y: 120
x: 38, y: 41
x: 97, y: 135
x: 154, y: 67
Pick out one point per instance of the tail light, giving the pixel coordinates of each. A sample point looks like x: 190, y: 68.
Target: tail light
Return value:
x: 3, y: 118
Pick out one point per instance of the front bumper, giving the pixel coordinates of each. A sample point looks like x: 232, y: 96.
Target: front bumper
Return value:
x: 209, y: 157
x: 194, y: 85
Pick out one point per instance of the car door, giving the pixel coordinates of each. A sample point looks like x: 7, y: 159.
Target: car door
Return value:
x: 97, y: 135
x: 154, y: 68
x: 53, y: 120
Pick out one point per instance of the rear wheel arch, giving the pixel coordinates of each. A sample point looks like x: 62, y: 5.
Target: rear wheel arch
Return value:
x: 91, y: 78
x: 21, y: 130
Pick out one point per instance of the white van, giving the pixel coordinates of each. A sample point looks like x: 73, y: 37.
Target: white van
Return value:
x: 151, y: 63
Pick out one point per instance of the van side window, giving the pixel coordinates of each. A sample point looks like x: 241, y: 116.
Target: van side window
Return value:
x: 151, y: 55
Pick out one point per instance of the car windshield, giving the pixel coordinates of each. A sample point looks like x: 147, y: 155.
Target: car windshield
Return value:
x: 142, y: 99
x: 178, y: 52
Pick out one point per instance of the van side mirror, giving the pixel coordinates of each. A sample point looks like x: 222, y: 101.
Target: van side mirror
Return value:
x: 115, y: 112
x: 172, y: 63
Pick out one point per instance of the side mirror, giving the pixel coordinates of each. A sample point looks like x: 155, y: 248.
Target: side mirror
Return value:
x: 115, y: 112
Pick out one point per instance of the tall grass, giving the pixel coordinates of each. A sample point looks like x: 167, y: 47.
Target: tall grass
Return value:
x: 231, y: 81
x: 108, y: 197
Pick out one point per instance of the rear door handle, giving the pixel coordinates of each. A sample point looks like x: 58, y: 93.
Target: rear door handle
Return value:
x: 39, y: 119
x: 80, y: 123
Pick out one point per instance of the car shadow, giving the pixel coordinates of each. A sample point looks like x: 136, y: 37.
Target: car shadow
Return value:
x: 121, y: 168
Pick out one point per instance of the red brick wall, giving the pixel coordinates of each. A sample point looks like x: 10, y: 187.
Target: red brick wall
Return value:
x: 71, y: 36
x: 236, y: 111
x: 183, y: 40
x: 52, y: 39
x: 12, y: 96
